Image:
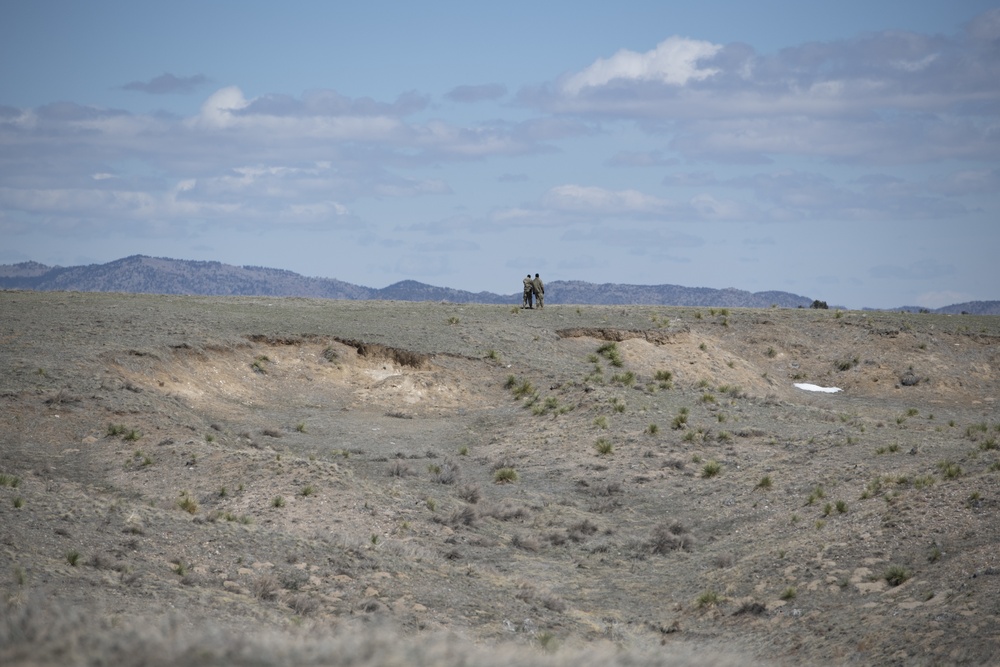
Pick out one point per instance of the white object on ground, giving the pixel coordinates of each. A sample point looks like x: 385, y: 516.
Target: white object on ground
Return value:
x: 812, y: 387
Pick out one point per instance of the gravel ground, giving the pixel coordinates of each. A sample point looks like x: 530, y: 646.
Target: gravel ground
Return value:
x: 257, y: 480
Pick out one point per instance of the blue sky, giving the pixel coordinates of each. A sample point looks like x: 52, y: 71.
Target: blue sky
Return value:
x: 844, y: 151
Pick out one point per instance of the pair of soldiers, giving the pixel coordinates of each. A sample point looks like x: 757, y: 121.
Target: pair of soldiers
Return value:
x: 533, y: 289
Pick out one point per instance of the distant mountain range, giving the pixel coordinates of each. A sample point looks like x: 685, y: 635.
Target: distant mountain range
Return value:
x: 157, y: 275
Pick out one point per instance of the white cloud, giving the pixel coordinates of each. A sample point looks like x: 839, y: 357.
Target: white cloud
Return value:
x: 217, y: 111
x: 882, y: 98
x: 674, y: 61
x: 592, y: 199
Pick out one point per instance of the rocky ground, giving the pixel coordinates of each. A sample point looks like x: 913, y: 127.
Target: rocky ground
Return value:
x: 265, y: 481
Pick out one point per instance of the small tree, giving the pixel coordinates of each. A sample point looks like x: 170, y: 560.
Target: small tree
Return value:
x: 821, y: 305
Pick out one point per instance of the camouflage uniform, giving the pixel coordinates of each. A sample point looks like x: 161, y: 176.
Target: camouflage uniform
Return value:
x: 539, y: 289
x: 528, y: 289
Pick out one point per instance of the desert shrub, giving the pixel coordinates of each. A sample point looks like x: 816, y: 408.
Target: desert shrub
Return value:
x: 667, y: 537
x: 303, y: 604
x: 652, y: 429
x: 399, y: 469
x: 264, y: 587
x: 664, y: 378
x: 277, y: 502
x: 506, y: 511
x: 764, y: 483
x: 711, y: 469
x: 465, y: 516
x: 308, y: 490
x: 470, y: 493
x: 580, y: 531
x: 446, y: 473
x: 73, y: 557
x: 526, y: 542
x: 12, y: 481
x: 788, y: 594
x: 601, y: 421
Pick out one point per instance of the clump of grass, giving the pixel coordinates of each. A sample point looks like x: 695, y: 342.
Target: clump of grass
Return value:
x: 308, y: 490
x: 764, y: 483
x: 522, y: 388
x: 815, y: 495
x: 610, y: 352
x: 601, y: 421
x: 771, y: 353
x: 841, y: 507
x: 664, y: 378
x: 652, y: 429
x: 453, y: 320
x: 18, y: 502
x: 505, y: 476
x: 788, y: 594
x: 258, y: 364
x: 132, y: 436
x: 896, y: 575
x: 10, y: 480
x: 708, y: 598
x: 618, y: 405
x: 847, y: 364
x: 711, y: 469
x: 949, y: 470
x: 187, y: 503
x: 115, y: 430
x: 492, y: 355
x: 604, y: 447
x: 627, y: 378
x: 73, y: 557
x: 277, y: 502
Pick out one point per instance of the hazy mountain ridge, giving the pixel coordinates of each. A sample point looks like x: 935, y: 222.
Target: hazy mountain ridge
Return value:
x: 157, y: 275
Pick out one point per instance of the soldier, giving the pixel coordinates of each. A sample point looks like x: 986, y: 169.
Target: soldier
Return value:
x: 539, y: 290
x: 528, y: 289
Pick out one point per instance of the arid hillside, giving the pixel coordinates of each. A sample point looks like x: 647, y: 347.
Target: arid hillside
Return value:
x: 270, y: 481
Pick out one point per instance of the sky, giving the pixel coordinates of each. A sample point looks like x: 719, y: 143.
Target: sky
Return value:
x: 844, y: 151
